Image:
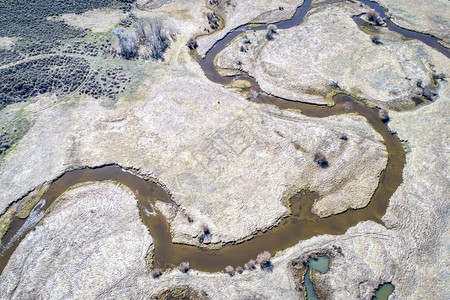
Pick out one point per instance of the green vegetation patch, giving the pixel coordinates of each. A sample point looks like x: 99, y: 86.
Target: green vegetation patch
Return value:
x: 13, y: 126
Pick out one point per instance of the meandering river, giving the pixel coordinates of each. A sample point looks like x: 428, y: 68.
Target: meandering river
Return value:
x: 301, y: 224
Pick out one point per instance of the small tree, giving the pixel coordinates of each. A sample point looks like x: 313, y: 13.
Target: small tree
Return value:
x: 239, y: 270
x: 384, y: 114
x: 229, y: 270
x: 250, y: 265
x: 184, y: 267
x: 156, y: 273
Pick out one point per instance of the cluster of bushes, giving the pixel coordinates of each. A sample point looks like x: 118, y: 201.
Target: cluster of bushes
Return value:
x: 106, y: 83
x: 147, y: 40
x: 82, y: 48
x: 430, y: 91
x: 263, y: 259
x: 213, y: 20
x: 58, y: 74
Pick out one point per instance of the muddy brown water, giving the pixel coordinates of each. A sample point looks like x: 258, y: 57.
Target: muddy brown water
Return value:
x: 299, y: 225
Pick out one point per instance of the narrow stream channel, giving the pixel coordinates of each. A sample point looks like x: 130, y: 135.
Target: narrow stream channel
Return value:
x: 301, y: 224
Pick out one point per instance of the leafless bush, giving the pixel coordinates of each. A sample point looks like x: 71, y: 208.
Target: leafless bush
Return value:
x: 376, y: 39
x: 272, y: 28
x: 128, y: 47
x: 239, y: 270
x: 156, y: 273
x: 184, y: 267
x: 383, y: 114
x: 151, y: 35
x: 269, y: 36
x: 271, y: 31
x: 374, y: 17
x: 334, y: 85
x: 263, y: 259
x: 230, y: 270
x: 320, y: 159
x: 429, y: 92
x: 250, y: 265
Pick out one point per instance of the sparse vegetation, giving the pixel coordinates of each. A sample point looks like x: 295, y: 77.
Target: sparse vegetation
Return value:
x: 184, y: 267
x: 230, y: 270
x: 181, y: 292
x: 263, y: 259
x: 107, y: 83
x: 321, y: 160
x: 156, y: 273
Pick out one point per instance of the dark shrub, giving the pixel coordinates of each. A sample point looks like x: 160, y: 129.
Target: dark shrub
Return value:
x: 192, y: 44
x: 376, y: 39
x: 321, y: 160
